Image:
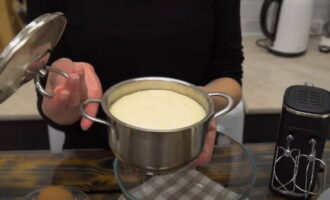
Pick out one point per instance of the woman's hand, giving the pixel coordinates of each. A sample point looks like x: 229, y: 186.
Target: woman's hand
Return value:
x: 81, y: 84
x: 207, y: 152
x: 233, y: 89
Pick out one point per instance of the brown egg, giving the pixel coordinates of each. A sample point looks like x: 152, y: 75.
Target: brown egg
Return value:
x: 55, y: 193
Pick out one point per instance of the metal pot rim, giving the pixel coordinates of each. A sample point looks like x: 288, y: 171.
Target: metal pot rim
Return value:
x: 155, y: 78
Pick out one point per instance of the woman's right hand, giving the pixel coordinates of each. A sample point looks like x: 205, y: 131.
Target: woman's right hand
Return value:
x: 82, y: 83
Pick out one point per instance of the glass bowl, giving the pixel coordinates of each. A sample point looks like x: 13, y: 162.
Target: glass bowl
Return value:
x: 77, y: 194
x: 229, y: 176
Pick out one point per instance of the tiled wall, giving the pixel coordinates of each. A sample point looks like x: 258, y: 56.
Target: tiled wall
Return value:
x: 250, y: 11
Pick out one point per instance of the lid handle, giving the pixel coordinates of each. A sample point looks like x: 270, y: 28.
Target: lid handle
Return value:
x: 42, y: 73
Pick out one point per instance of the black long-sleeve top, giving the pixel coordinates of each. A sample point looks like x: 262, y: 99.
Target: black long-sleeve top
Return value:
x: 192, y: 40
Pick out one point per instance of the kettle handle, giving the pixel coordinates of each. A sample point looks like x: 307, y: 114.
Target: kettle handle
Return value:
x: 263, y: 18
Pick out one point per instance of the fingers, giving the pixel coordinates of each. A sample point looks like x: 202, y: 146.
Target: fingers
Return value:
x: 83, y: 88
x: 73, y: 85
x: 63, y: 107
x: 94, y: 90
x: 206, y: 155
x: 56, y: 80
x: 53, y: 106
x: 81, y: 83
x: 207, y: 152
x: 91, y: 109
x: 92, y: 81
x: 213, y: 125
x: 64, y: 64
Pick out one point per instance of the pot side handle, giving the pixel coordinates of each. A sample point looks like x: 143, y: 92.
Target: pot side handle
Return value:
x: 94, y: 119
x: 227, y: 108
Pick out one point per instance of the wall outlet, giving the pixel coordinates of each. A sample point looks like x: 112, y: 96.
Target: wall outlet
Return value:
x: 317, y: 27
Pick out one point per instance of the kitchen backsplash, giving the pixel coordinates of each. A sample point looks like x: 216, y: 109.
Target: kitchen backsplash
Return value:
x: 250, y: 16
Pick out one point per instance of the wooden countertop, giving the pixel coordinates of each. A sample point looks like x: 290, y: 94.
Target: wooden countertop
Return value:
x: 266, y: 77
x: 23, y: 171
x: 91, y: 171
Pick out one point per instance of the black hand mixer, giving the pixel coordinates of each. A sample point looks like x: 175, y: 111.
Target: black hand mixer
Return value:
x: 304, y: 126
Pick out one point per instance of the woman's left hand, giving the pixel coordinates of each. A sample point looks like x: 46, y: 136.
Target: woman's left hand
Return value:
x: 207, y: 152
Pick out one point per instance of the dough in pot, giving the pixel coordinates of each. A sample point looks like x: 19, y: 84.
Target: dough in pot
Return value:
x: 157, y: 109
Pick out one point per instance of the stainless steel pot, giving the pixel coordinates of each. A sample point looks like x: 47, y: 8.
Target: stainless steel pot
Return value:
x: 156, y: 151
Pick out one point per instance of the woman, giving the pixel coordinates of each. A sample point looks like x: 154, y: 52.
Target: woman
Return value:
x: 198, y: 41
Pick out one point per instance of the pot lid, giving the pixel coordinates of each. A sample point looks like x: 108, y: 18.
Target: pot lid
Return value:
x: 28, y: 53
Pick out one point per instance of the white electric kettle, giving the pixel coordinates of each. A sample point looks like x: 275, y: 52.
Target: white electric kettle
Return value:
x: 289, y: 30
